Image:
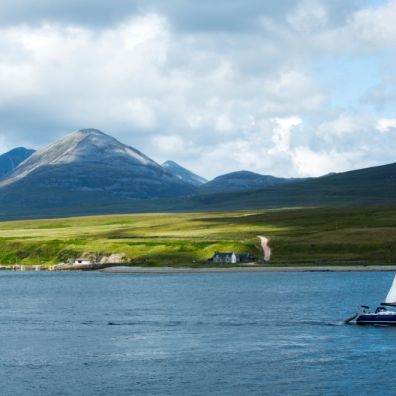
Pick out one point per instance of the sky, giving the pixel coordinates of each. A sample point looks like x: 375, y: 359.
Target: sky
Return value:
x: 290, y: 88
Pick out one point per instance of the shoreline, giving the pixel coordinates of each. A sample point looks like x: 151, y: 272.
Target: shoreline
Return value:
x: 170, y: 270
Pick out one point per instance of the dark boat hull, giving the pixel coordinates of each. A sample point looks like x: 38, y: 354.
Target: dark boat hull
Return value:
x: 388, y: 319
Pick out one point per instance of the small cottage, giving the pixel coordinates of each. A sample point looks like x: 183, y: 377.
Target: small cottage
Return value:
x: 231, y: 258
x: 246, y: 257
x: 82, y: 261
x: 228, y: 258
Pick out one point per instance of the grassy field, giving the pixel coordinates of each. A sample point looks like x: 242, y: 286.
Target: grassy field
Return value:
x: 296, y: 236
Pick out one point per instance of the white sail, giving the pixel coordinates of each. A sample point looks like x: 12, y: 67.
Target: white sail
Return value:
x: 391, y: 297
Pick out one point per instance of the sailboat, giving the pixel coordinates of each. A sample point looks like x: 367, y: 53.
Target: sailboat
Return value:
x: 381, y: 315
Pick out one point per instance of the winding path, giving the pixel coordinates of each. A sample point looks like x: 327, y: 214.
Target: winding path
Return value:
x: 265, y: 247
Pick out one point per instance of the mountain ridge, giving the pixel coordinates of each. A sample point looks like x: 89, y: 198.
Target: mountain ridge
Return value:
x: 90, y: 160
x: 240, y: 180
x: 94, y: 173
x: 183, y: 173
x: 11, y: 159
x: 82, y: 146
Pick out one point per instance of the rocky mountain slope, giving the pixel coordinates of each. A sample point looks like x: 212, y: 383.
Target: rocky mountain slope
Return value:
x: 10, y: 160
x: 89, y: 172
x: 89, y: 161
x: 183, y: 173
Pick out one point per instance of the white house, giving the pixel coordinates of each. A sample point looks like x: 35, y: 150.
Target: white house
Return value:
x: 83, y: 261
x: 231, y: 258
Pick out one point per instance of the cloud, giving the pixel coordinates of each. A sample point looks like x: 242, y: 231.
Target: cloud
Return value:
x: 309, y: 16
x: 95, y: 78
x: 281, y: 133
x: 206, y: 15
x: 316, y: 163
x: 219, y: 86
x: 367, y: 29
x: 141, y: 114
x: 382, y: 95
x: 71, y: 12
x: 386, y: 124
x: 375, y: 26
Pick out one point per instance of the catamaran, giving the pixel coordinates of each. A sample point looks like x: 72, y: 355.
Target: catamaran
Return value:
x: 381, y: 315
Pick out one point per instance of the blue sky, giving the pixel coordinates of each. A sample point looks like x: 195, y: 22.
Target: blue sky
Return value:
x: 289, y: 88
x: 347, y: 78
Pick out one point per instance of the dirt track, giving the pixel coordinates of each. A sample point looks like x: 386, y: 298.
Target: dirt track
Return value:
x: 265, y: 247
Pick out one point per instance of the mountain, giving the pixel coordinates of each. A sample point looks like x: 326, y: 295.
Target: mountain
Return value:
x: 10, y: 160
x: 89, y: 172
x: 183, y: 173
x: 241, y: 180
x: 369, y: 187
x: 88, y: 167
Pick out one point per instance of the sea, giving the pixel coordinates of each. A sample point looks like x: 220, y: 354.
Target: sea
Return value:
x: 93, y: 333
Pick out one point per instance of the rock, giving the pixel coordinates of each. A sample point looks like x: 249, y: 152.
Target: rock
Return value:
x: 115, y: 258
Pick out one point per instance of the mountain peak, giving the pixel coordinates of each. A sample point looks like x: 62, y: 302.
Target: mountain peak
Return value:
x: 183, y: 174
x: 170, y: 163
x: 90, y: 131
x: 83, y: 146
x: 88, y: 160
x: 89, y: 135
x: 10, y: 160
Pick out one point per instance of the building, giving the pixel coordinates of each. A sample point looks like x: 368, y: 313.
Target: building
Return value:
x: 246, y: 257
x: 227, y: 258
x: 231, y: 258
x: 82, y: 261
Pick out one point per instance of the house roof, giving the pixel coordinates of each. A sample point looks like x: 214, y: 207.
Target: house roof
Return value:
x: 217, y: 254
x: 230, y: 257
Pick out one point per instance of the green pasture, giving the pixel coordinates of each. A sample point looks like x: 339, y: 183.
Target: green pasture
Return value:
x: 296, y: 236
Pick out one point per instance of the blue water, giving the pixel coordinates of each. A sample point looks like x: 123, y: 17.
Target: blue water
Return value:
x: 192, y: 334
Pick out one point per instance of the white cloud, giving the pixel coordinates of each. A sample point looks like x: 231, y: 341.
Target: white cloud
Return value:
x: 217, y: 98
x: 281, y: 133
x: 344, y: 128
x: 223, y: 123
x: 308, y: 16
x: 16, y: 81
x: 375, y: 26
x: 291, y: 91
x: 171, y: 146
x: 368, y: 28
x: 318, y: 163
x: 141, y: 113
x: 386, y: 124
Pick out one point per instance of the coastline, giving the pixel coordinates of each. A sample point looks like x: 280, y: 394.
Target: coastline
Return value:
x: 172, y: 270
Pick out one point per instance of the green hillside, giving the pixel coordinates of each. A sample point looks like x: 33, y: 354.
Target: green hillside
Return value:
x: 296, y: 236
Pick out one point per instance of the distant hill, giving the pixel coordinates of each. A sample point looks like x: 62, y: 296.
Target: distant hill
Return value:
x: 241, y: 180
x: 374, y: 186
x: 10, y: 160
x: 183, y: 174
